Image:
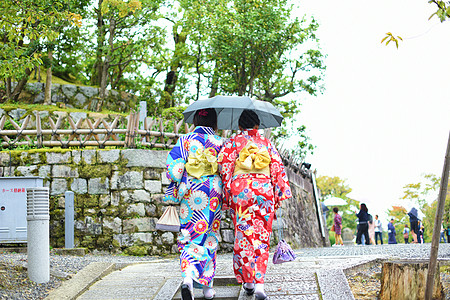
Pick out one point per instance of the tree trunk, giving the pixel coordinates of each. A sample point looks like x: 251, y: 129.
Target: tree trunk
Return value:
x: 214, y: 83
x: 108, y: 58
x: 20, y: 85
x: 8, y: 88
x: 48, y: 82
x: 407, y: 280
x: 175, y: 66
x: 98, y: 66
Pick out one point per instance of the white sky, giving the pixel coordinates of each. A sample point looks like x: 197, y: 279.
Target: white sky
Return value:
x: 384, y: 117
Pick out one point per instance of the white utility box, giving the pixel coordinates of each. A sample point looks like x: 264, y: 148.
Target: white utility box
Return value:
x: 13, y: 207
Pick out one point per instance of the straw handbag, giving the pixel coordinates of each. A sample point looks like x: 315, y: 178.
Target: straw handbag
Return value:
x: 169, y: 220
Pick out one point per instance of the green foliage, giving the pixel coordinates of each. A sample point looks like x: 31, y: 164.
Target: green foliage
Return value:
x: 391, y: 38
x: 335, y: 186
x: 26, y: 27
x: 443, y: 10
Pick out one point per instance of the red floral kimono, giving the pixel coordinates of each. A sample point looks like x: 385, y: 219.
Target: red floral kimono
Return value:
x: 254, y: 184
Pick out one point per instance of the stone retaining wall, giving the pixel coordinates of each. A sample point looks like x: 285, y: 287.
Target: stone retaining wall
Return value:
x: 118, y: 199
x: 78, y: 96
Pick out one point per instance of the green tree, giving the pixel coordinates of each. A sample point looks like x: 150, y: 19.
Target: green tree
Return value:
x: 335, y: 186
x: 25, y: 27
x: 126, y: 33
x: 422, y: 194
x: 400, y: 216
x: 443, y: 10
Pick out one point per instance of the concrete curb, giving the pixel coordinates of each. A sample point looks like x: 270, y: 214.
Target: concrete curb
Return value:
x: 82, y: 280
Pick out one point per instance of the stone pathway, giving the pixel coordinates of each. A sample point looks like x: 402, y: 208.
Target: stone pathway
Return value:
x: 316, y: 274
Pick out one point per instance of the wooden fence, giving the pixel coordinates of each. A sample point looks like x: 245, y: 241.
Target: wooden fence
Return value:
x: 65, y: 132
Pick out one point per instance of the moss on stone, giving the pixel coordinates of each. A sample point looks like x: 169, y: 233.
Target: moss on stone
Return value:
x: 88, y: 242
x: 137, y: 250
x: 94, y: 171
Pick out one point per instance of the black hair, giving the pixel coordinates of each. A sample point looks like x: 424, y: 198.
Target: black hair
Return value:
x: 206, y: 117
x: 335, y: 209
x: 248, y: 119
x: 364, y: 207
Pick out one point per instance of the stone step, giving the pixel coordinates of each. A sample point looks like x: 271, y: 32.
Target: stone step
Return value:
x: 222, y: 293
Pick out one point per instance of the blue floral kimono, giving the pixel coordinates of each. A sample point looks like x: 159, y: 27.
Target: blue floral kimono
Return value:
x: 197, y: 186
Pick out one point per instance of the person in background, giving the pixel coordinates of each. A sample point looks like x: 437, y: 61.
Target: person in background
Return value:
x: 378, y: 230
x: 254, y: 185
x: 363, y: 226
x: 337, y: 227
x: 442, y: 238
x: 420, y: 239
x: 195, y: 183
x: 391, y: 233
x: 414, y: 226
x: 448, y: 233
x: 371, y: 230
x: 406, y: 234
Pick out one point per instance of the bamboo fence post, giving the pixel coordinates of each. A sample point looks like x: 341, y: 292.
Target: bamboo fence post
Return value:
x: 38, y: 130
x: 437, y: 225
x: 128, y: 133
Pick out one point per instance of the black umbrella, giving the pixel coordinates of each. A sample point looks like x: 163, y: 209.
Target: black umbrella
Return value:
x: 229, y: 109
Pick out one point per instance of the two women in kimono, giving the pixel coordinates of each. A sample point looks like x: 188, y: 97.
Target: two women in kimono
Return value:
x: 254, y: 184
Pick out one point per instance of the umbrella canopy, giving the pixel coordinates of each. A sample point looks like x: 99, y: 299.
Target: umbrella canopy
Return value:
x: 334, y: 201
x: 229, y: 109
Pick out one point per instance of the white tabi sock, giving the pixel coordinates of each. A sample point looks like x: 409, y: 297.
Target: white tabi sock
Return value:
x: 259, y: 290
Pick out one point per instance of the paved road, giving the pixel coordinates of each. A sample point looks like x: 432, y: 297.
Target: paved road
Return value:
x: 317, y: 273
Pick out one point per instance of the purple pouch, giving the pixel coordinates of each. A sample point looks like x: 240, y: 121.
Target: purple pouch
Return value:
x: 283, y: 253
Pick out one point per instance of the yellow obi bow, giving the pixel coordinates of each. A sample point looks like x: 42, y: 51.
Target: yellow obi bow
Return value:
x: 252, y: 160
x: 201, y: 163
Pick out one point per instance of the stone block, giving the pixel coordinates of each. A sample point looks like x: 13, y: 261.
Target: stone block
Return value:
x: 76, y: 156
x: 17, y: 113
x: 124, y: 240
x: 27, y: 171
x: 104, y: 200
x: 145, y: 158
x: 69, y: 90
x: 58, y: 157
x: 44, y: 171
x: 89, y: 156
x: 79, y: 100
x: 9, y: 171
x: 108, y: 156
x: 227, y: 236
x: 150, y: 210
x: 4, y: 158
x: 31, y: 158
x: 167, y: 238
x: 115, y: 198
x: 136, y: 209
x: 89, y: 91
x: 153, y: 186
x: 135, y: 196
x: 94, y: 228
x: 143, y: 236
x: 34, y: 87
x: 115, y: 224
x: 164, y: 179
x: 64, y: 171
x: 58, y: 186
x: 128, y: 180
x: 76, y: 116
x: 55, y: 88
x: 79, y: 186
x: 139, y: 225
x: 152, y: 174
x: 98, y: 186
